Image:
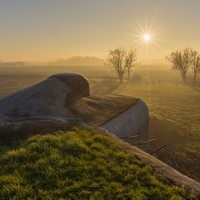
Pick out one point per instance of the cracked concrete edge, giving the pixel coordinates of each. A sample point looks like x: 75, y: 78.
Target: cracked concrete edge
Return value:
x: 161, y: 167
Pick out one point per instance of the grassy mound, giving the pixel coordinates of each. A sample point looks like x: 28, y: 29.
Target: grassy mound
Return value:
x: 80, y: 164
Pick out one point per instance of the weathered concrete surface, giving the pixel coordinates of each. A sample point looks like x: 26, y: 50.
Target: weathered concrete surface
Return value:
x: 42, y: 107
x: 57, y: 103
x: 99, y: 109
x: 76, y: 81
x: 121, y: 115
x: 45, y: 100
x: 158, y: 165
x: 133, y: 121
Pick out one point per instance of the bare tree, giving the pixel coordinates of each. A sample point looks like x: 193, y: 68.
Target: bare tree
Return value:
x: 181, y: 61
x: 131, y: 60
x: 195, y: 65
x: 122, y: 61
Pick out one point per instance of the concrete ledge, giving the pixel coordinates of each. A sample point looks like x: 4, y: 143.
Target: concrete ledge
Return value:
x: 158, y: 165
x: 133, y: 122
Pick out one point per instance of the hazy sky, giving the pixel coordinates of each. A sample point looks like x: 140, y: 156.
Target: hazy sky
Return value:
x: 45, y: 30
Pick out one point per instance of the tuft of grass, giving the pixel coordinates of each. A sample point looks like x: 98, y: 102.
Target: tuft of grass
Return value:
x: 80, y: 164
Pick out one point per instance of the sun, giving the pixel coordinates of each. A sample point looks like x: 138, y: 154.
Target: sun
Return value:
x: 146, y: 37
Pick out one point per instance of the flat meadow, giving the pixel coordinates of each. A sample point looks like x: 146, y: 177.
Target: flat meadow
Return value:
x: 174, y: 108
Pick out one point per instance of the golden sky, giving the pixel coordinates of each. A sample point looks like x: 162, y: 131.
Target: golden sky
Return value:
x: 47, y: 30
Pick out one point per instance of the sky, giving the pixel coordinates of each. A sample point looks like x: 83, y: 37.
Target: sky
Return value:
x: 46, y: 30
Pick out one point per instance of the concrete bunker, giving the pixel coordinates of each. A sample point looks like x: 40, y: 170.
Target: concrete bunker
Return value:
x: 63, y: 100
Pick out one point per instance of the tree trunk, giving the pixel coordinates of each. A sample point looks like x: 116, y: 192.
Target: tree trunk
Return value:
x: 128, y: 75
x: 194, y: 80
x: 121, y: 78
x: 184, y: 78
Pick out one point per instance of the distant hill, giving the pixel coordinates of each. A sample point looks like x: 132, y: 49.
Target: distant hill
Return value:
x: 79, y: 61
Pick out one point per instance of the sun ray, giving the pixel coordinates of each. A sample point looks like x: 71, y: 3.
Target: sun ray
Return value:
x: 147, y: 38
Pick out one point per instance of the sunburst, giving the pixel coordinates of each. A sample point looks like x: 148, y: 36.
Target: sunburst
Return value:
x: 147, y: 37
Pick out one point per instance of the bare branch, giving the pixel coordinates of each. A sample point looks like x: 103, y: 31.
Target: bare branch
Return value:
x: 181, y: 60
x: 195, y: 65
x: 122, y: 61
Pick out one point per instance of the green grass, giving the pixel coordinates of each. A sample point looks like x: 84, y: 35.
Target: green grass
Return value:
x: 80, y: 164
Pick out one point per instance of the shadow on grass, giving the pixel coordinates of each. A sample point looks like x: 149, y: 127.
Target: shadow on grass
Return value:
x: 196, y: 89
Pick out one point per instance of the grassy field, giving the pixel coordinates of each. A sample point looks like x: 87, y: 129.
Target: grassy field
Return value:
x: 80, y: 164
x: 174, y: 120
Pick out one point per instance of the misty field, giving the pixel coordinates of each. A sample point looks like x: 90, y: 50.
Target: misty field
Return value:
x: 174, y: 111
x: 174, y: 108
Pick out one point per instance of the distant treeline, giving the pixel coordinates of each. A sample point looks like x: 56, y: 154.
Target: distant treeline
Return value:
x: 13, y: 63
x: 78, y: 61
x: 73, y: 61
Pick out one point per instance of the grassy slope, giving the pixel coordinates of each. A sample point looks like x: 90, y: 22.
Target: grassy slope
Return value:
x: 80, y: 164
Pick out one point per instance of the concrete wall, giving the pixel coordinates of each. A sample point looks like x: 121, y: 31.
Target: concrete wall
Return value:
x: 132, y: 122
